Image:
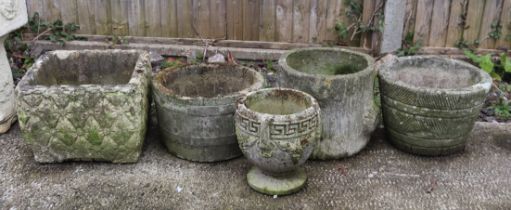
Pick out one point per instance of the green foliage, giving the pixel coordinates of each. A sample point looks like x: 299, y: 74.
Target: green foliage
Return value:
x: 171, y: 64
x: 465, y: 44
x: 118, y: 40
x: 342, y: 30
x: 353, y: 12
x: 409, y: 47
x: 505, y: 62
x: 496, y: 68
x: 55, y: 31
x: 502, y: 109
x: 496, y: 30
x: 269, y: 65
x: 18, y: 51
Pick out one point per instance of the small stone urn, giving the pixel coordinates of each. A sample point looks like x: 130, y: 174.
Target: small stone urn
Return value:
x: 342, y: 81
x: 277, y: 130
x: 195, y: 107
x: 430, y: 103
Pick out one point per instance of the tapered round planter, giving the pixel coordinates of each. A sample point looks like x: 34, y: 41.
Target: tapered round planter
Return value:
x: 195, y: 108
x: 430, y: 103
x: 342, y: 82
x: 277, y: 130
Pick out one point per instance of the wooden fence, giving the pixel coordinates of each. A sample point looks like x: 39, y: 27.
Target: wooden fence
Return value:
x: 435, y: 23
x: 444, y: 23
x: 306, y: 21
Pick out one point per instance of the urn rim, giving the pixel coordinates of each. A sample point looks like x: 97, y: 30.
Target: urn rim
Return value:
x: 367, y: 70
x: 484, y: 83
x: 222, y: 99
x: 312, y: 109
x: 139, y: 71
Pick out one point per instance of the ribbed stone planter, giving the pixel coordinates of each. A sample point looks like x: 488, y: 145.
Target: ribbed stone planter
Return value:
x: 430, y: 103
x: 342, y: 82
x: 85, y: 105
x: 277, y: 130
x: 195, y: 109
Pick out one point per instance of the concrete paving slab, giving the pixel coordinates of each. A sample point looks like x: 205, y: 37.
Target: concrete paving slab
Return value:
x: 380, y: 177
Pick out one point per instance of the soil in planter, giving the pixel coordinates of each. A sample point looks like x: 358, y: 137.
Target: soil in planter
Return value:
x: 327, y: 62
x: 78, y: 69
x: 277, y: 103
x: 435, y: 77
x: 208, y: 82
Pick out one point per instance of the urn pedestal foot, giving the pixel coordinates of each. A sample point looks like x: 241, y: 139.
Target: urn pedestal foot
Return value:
x: 276, y: 185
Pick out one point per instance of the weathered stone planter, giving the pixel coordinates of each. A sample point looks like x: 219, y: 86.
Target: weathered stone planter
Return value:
x: 195, y: 108
x: 342, y: 82
x: 277, y: 130
x: 85, y: 105
x: 430, y: 103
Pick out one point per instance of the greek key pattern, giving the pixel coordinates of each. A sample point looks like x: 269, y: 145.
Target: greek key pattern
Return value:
x: 293, y: 130
x: 281, y: 131
x: 249, y: 126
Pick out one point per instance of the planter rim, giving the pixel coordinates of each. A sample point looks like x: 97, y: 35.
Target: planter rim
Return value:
x: 199, y: 100
x: 310, y: 110
x: 365, y: 71
x: 137, y: 74
x: 484, y: 83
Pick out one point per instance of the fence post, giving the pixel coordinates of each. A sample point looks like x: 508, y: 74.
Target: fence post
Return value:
x: 393, y: 25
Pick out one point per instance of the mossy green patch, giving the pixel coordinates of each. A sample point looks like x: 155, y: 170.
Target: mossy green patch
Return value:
x: 94, y: 137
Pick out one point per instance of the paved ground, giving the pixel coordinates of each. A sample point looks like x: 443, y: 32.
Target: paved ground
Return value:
x: 380, y: 177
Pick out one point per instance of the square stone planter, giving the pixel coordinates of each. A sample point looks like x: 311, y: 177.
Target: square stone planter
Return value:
x: 85, y: 105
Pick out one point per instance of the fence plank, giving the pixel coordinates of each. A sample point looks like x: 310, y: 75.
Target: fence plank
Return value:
x: 234, y: 19
x: 251, y: 13
x: 185, y: 18
x: 168, y: 18
x: 410, y: 11
x: 368, y: 9
x: 34, y: 6
x: 68, y: 11
x: 152, y: 23
x: 267, y: 30
x: 439, y: 23
x: 103, y: 17
x: 284, y: 20
x: 505, y: 20
x: 301, y: 14
x: 332, y: 17
x: 217, y: 20
x: 52, y: 11
x: 313, y: 21
x: 201, y: 18
x: 454, y: 30
x: 136, y: 18
x: 423, y: 21
x: 492, y: 11
x: 474, y: 14
x: 321, y: 30
x: 86, y: 17
x: 120, y: 17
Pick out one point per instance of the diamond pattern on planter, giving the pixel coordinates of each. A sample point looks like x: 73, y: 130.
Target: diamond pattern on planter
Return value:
x: 84, y: 119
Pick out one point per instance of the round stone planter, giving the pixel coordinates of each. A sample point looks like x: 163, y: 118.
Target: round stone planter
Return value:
x: 430, y: 103
x: 342, y: 81
x: 277, y: 130
x: 195, y: 109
